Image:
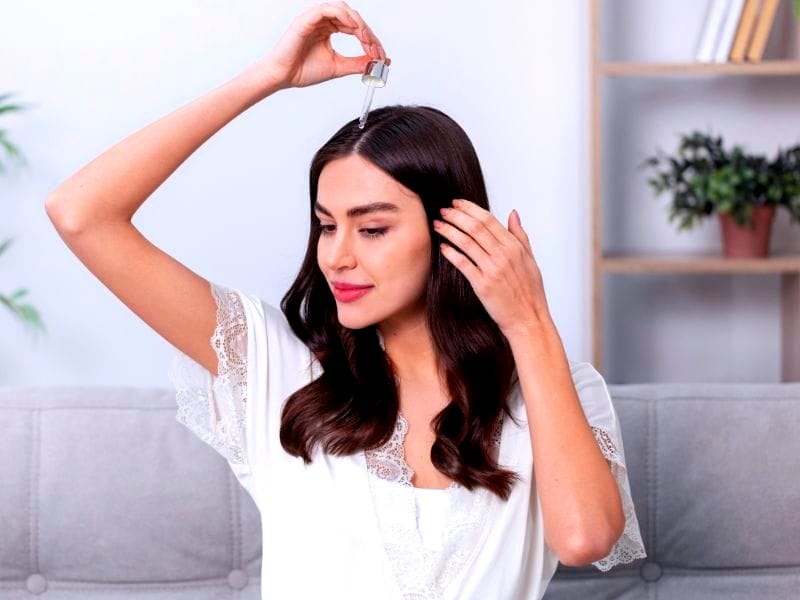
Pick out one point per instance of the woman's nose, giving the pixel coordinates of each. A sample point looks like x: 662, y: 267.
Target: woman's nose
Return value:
x: 339, y: 254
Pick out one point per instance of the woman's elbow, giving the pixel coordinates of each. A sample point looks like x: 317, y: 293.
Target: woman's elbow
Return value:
x: 591, y: 549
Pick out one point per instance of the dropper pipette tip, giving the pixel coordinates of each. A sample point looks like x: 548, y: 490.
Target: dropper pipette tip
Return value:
x: 365, y: 107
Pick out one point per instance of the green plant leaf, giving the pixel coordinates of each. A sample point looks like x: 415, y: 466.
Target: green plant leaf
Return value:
x: 26, y: 312
x: 703, y: 177
x: 11, y: 150
x: 4, y: 246
x: 6, y: 108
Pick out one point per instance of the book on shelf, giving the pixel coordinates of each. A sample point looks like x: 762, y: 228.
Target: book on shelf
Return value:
x: 745, y: 31
x: 766, y: 17
x: 706, y: 50
x: 736, y: 30
x: 728, y: 27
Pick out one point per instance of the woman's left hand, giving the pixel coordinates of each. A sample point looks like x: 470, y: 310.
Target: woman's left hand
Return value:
x: 504, y: 275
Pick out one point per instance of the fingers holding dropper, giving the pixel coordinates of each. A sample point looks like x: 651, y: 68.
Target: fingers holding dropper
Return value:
x: 338, y: 18
x: 369, y: 41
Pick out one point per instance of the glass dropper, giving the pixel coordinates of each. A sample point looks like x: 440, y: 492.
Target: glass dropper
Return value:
x: 367, y: 103
x: 375, y: 74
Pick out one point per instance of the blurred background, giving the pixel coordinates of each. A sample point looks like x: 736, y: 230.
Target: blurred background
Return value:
x: 522, y: 78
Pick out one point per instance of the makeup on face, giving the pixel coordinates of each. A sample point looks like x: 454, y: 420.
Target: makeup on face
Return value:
x: 350, y: 295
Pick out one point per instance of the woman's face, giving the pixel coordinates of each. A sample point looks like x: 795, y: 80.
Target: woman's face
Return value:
x: 386, y: 247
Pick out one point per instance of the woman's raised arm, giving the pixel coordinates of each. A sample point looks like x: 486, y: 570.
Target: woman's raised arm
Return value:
x: 92, y: 210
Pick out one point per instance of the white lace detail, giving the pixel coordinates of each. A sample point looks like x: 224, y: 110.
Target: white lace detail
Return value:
x: 214, y: 408
x: 629, y: 546
x: 388, y: 461
x: 423, y: 573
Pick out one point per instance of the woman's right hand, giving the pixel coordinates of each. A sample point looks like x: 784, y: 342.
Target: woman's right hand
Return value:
x: 304, y: 55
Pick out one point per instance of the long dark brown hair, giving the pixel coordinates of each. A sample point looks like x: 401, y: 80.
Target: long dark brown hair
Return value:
x: 353, y: 404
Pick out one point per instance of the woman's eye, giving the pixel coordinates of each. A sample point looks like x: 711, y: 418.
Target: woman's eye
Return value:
x: 370, y: 233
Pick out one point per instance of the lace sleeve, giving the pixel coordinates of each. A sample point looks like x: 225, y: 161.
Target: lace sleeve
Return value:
x: 602, y: 418
x: 214, y: 408
x: 629, y: 546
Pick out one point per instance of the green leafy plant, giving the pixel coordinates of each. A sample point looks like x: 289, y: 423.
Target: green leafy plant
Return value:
x: 10, y: 149
x: 704, y: 177
x: 796, y: 6
x: 13, y: 301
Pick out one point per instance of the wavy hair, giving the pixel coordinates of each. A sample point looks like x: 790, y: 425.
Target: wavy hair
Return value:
x: 353, y: 405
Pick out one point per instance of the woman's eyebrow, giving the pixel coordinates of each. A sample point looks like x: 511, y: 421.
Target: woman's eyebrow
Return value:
x: 357, y: 211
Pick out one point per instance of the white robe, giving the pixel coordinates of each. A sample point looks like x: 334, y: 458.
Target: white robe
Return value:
x: 322, y: 535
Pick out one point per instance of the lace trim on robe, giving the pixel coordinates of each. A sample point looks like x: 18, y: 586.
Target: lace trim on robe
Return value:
x: 629, y: 546
x: 388, y: 461
x: 423, y: 573
x: 214, y: 408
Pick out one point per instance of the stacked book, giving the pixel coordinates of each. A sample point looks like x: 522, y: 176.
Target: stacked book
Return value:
x: 736, y: 30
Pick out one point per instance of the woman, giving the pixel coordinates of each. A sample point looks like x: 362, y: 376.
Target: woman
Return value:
x: 400, y: 421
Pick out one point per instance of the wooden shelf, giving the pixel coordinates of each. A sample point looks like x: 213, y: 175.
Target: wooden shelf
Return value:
x: 659, y: 69
x: 712, y: 262
x: 785, y: 265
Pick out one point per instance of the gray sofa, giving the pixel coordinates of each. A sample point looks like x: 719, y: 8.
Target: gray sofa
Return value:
x: 104, y: 495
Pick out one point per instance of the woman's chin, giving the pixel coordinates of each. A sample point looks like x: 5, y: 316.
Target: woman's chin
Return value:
x: 353, y: 318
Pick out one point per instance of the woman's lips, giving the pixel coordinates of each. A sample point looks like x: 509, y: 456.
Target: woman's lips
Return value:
x: 350, y: 295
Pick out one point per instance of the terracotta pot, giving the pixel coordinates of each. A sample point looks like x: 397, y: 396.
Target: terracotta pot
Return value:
x: 743, y: 242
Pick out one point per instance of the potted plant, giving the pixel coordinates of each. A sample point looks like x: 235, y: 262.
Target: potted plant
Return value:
x: 743, y: 189
x: 13, y: 301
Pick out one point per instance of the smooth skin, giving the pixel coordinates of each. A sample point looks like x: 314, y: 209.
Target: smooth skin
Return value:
x: 93, y: 209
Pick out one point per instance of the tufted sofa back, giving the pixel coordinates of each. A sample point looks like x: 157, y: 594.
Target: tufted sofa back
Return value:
x: 104, y: 495
x: 715, y: 476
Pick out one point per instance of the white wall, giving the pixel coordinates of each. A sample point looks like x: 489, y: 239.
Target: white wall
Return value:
x: 512, y: 73
x: 235, y: 211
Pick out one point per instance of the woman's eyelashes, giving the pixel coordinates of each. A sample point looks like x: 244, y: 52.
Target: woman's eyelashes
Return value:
x: 370, y: 232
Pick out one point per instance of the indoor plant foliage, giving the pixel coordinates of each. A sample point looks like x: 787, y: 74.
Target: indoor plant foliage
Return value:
x: 743, y: 189
x: 13, y: 301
